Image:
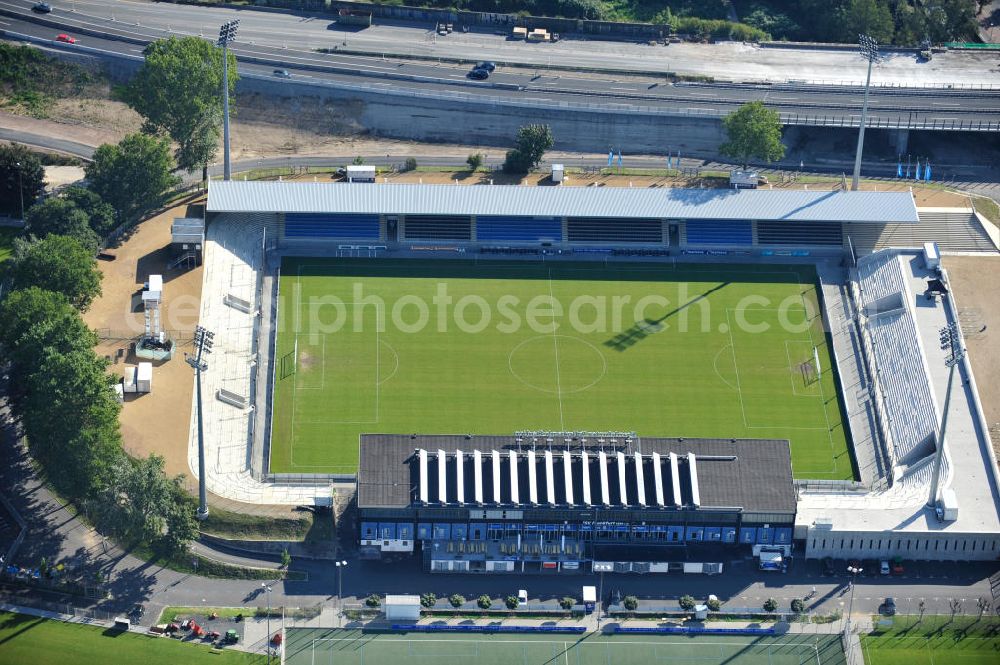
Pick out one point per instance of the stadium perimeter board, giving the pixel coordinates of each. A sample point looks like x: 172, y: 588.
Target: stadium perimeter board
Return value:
x: 318, y: 646
x: 716, y: 350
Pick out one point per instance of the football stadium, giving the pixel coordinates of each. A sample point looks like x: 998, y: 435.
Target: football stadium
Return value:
x: 563, y: 379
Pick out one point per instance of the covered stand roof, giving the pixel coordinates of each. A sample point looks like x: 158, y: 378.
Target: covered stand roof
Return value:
x: 611, y: 202
x: 449, y: 471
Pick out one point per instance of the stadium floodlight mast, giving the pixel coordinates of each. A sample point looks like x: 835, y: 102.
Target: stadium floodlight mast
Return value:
x: 869, y: 49
x: 951, y: 338
x: 227, y: 35
x: 203, y: 343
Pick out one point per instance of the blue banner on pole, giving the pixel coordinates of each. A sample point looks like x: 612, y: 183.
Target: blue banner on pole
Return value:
x: 927, y: 172
x: 899, y: 169
x: 670, y: 164
x: 619, y: 159
x: 611, y: 156
x: 918, y: 169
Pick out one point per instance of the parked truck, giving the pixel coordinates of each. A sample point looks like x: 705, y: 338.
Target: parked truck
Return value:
x: 589, y: 599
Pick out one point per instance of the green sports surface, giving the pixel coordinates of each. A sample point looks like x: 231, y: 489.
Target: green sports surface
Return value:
x: 345, y: 647
x: 934, y: 640
x: 490, y: 347
x: 28, y: 640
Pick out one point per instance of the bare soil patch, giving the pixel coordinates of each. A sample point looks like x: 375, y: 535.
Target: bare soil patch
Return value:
x: 972, y: 278
x: 157, y: 422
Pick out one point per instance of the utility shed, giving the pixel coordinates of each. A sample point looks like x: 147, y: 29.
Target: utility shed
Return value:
x: 402, y: 607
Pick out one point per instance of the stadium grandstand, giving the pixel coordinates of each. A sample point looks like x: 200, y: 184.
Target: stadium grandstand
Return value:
x: 555, y: 501
x: 443, y: 496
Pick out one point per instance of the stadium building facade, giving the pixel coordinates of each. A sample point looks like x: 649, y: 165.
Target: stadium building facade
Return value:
x: 562, y: 502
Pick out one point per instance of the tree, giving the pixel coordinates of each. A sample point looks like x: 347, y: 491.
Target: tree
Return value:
x: 100, y: 215
x: 286, y: 558
x: 531, y: 143
x: 34, y: 320
x: 567, y: 603
x: 798, y: 606
x: 770, y: 605
x: 484, y: 602
x: 58, y: 216
x: 138, y: 498
x: 511, y: 602
x: 60, y: 264
x: 428, y: 600
x: 868, y: 17
x: 177, y: 91
x: 474, y: 160
x: 921, y: 608
x: 753, y: 131
x: 70, y: 416
x: 713, y: 604
x: 182, y: 525
x: 983, y: 605
x: 19, y: 185
x: 955, y: 605
x: 686, y: 602
x: 456, y: 600
x: 410, y: 164
x: 373, y: 601
x: 630, y: 603
x: 132, y: 175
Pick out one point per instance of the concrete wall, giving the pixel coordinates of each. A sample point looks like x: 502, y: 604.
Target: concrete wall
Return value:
x: 926, y: 546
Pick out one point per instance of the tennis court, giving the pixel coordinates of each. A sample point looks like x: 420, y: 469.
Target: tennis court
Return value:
x: 309, y: 646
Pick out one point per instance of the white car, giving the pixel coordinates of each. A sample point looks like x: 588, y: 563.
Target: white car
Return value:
x: 883, y: 567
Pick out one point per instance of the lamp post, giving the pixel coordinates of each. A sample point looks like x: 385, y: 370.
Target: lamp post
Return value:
x: 854, y: 571
x: 267, y: 588
x: 600, y: 602
x: 869, y: 50
x: 227, y: 35
x: 340, y: 588
x: 20, y: 186
x: 951, y: 338
x: 203, y: 342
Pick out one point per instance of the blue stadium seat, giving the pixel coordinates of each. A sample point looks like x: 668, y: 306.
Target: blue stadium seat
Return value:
x: 518, y: 229
x: 719, y: 233
x: 310, y: 225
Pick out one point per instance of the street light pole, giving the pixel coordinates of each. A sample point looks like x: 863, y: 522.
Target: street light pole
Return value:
x: 869, y: 49
x: 227, y: 35
x: 340, y: 590
x: 203, y: 342
x: 949, y: 336
x: 20, y: 186
x: 600, y: 602
x: 267, y: 588
x: 853, y: 570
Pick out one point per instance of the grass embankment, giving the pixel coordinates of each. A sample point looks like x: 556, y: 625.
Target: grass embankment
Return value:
x: 28, y: 639
x: 7, y: 235
x: 939, y: 639
x: 31, y: 80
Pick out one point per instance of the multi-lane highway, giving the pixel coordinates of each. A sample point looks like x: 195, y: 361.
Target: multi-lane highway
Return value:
x: 291, y: 41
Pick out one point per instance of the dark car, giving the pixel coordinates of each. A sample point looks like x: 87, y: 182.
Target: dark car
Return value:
x: 487, y: 65
x: 41, y: 8
x: 282, y: 73
x: 888, y: 607
x: 136, y: 612
x: 828, y: 569
x: 479, y: 74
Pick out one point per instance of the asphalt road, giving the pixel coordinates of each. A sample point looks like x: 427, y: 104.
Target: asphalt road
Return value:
x: 289, y: 41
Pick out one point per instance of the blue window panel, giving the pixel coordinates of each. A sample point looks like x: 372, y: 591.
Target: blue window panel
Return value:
x: 640, y: 528
x: 675, y: 534
x: 720, y: 233
x: 695, y: 533
x: 621, y: 528
x: 326, y: 225
x: 764, y: 536
x: 550, y: 527
x: 659, y: 528
x: 532, y: 527
x: 586, y: 527
x: 442, y: 531
x: 477, y: 531
x: 518, y: 229
x: 425, y: 531
x: 748, y: 535
x: 713, y: 534
x: 404, y: 531
x: 782, y: 536
x: 369, y: 530
x: 387, y: 530
x: 459, y: 531
x: 729, y: 534
x: 496, y: 527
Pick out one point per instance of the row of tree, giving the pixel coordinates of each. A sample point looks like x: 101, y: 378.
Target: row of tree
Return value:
x: 66, y: 399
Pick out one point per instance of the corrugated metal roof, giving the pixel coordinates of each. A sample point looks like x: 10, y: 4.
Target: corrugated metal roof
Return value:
x: 664, y: 203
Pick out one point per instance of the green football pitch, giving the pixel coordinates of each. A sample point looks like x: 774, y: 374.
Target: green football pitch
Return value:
x: 456, y: 347
x: 343, y: 647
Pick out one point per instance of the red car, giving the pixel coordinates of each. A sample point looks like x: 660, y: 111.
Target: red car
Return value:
x: 63, y: 37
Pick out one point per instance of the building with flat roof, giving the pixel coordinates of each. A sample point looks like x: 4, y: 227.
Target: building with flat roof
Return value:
x: 555, y: 501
